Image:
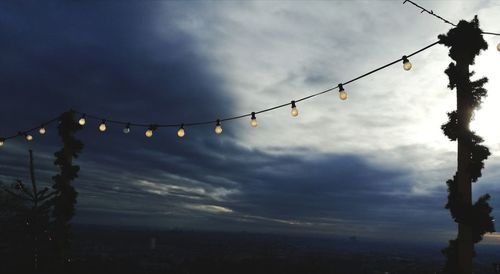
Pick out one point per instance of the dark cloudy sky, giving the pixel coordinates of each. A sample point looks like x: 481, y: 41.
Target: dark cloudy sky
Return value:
x: 372, y: 166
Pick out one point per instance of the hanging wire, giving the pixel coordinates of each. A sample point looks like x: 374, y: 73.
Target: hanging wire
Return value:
x: 125, y: 123
x: 431, y: 12
x: 22, y: 133
x: 271, y: 108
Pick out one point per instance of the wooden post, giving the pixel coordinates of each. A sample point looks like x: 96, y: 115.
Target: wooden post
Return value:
x: 463, y: 176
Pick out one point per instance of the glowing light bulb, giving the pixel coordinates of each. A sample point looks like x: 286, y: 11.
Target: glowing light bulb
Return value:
x: 253, y: 121
x: 498, y: 47
x: 406, y: 63
x: 218, y: 128
x: 181, y: 132
x: 342, y: 93
x: 28, y: 137
x: 2, y: 141
x: 82, y: 120
x: 126, y: 129
x: 102, y: 126
x: 295, y: 111
x: 42, y: 130
x: 407, y: 66
x: 150, y: 131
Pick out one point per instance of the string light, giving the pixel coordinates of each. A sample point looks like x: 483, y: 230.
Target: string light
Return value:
x: 218, y: 128
x: 42, y: 130
x: 126, y: 129
x: 149, y: 132
x: 28, y: 137
x: 406, y: 63
x: 181, y: 131
x: 295, y: 111
x: 253, y: 120
x: 342, y: 93
x: 102, y: 126
x: 82, y: 121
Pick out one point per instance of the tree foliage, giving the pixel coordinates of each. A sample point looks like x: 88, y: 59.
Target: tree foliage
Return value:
x: 25, y: 225
x: 65, y: 198
x: 466, y: 42
x: 36, y: 223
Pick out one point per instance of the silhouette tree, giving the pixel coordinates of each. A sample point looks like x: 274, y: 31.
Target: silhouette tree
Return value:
x: 13, y: 213
x: 65, y: 198
x: 465, y: 42
x: 25, y: 225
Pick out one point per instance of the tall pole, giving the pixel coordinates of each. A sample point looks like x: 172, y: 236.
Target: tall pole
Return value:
x: 463, y: 176
x: 474, y: 220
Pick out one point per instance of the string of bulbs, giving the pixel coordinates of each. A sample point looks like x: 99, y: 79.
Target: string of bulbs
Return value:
x: 181, y: 132
x: 151, y: 128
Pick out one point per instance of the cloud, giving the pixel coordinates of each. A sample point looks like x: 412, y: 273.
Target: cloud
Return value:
x: 210, y: 208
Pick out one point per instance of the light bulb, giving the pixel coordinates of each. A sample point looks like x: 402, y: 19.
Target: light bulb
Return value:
x: 295, y: 111
x: 82, y: 120
x: 181, y: 132
x: 407, y: 66
x: 406, y: 63
x: 253, y: 121
x: 2, y: 141
x: 42, y: 130
x: 126, y: 129
x: 498, y: 47
x: 218, y: 128
x: 342, y: 93
x: 102, y: 126
x: 149, y: 132
x: 28, y: 137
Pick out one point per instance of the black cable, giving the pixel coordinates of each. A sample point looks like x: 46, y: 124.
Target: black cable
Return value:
x: 431, y: 12
x: 271, y: 108
x: 491, y: 33
x: 127, y: 123
x: 31, y: 129
x: 279, y: 106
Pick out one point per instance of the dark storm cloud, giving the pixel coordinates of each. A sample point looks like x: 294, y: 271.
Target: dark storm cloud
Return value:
x: 104, y: 58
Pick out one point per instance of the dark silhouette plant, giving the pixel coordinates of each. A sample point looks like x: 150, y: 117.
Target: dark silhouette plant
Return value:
x: 40, y: 219
x: 65, y: 198
x: 465, y: 42
x: 25, y: 224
